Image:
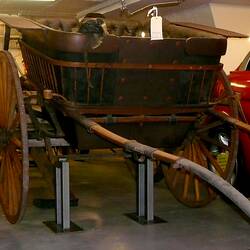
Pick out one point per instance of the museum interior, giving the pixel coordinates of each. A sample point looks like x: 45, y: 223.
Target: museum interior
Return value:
x: 88, y: 162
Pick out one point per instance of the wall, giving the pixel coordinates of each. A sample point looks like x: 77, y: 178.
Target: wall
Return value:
x: 13, y: 47
x: 1, y: 35
x: 14, y: 34
x: 236, y: 18
x: 198, y: 14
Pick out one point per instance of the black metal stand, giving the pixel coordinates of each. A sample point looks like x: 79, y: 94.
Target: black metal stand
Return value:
x: 41, y: 162
x: 145, y: 195
x: 62, y: 223
x: 6, y: 37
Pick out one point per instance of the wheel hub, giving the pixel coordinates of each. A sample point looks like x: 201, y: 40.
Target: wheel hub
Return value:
x: 5, y: 137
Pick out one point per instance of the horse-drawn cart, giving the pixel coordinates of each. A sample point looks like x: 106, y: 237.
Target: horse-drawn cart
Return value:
x: 159, y: 93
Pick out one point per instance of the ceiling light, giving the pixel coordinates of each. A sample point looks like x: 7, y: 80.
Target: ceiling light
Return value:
x: 143, y: 34
x: 39, y: 0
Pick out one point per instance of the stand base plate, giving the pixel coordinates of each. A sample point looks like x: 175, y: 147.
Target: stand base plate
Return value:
x: 143, y: 221
x: 57, y: 228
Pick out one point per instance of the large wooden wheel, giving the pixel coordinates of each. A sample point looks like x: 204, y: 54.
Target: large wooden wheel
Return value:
x: 14, y: 163
x: 213, y: 144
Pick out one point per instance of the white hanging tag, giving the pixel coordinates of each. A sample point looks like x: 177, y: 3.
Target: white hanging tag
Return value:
x: 156, y: 28
x: 155, y: 24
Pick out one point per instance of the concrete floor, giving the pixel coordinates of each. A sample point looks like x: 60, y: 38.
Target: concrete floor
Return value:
x: 106, y: 191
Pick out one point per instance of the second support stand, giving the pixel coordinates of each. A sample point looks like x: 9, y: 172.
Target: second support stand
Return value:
x: 145, y: 195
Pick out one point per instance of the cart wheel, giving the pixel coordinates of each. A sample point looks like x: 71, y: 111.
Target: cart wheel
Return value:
x: 14, y: 163
x: 213, y: 144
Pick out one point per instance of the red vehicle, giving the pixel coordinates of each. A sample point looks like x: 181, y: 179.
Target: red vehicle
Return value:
x: 240, y: 82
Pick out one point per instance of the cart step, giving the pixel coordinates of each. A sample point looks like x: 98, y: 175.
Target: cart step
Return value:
x: 55, y: 142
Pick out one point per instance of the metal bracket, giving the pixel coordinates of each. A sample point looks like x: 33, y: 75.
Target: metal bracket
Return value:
x: 62, y: 223
x: 40, y: 129
x: 145, y: 195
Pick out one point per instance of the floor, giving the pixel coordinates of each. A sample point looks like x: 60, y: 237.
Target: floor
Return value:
x: 106, y: 191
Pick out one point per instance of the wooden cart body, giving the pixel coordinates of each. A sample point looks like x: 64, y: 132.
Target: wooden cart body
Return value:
x: 125, y: 76
x: 159, y: 93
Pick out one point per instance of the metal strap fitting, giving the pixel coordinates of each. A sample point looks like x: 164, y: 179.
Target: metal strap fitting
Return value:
x: 134, y: 146
x: 180, y: 163
x: 172, y: 119
x: 110, y: 119
x: 88, y: 124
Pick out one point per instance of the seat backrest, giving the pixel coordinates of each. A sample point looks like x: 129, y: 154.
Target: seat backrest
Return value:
x: 68, y: 25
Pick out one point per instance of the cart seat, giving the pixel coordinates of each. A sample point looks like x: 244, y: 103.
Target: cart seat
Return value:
x: 114, y: 27
x: 68, y: 25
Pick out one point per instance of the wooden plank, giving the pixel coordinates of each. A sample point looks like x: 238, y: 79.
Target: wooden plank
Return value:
x: 18, y: 22
x: 213, y: 30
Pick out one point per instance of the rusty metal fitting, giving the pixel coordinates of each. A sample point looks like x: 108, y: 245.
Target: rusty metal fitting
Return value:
x: 237, y: 96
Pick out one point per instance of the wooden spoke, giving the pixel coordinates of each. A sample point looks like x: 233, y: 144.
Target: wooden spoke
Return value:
x: 175, y: 178
x: 186, y: 185
x: 187, y: 153
x: 213, y: 141
x: 197, y: 189
x: 189, y: 189
x: 199, y: 155
x: 213, y: 160
x: 212, y: 145
x: 16, y: 141
x: 210, y: 126
x: 11, y: 183
x: 7, y: 99
x: 14, y: 161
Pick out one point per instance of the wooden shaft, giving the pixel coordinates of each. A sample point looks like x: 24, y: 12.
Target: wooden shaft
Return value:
x: 164, y: 156
x: 121, y: 141
x: 108, y: 135
x: 116, y: 139
x: 231, y: 120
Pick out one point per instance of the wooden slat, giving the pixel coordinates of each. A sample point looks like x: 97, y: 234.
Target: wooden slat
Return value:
x: 124, y: 66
